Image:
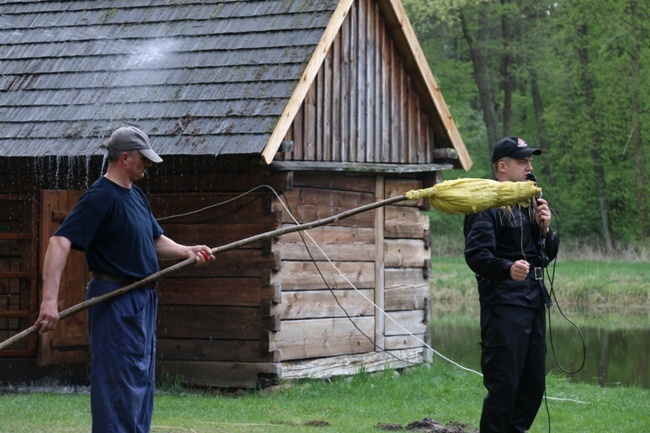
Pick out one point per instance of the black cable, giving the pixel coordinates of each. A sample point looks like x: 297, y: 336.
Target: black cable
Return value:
x: 550, y: 329
x: 551, y: 280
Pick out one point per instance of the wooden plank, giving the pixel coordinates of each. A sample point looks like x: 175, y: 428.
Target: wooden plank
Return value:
x: 407, y: 297
x: 355, y: 167
x: 308, y: 205
x: 213, y: 350
x: 322, y: 303
x: 219, y: 374
x: 407, y: 322
x: 302, y: 339
x: 234, y: 264
x: 292, y: 107
x: 406, y: 222
x: 305, y: 275
x: 404, y: 277
x: 214, y: 235
x: 399, y: 25
x: 405, y: 253
x: 243, y: 176
x: 243, y: 292
x: 337, y: 243
x: 380, y: 263
x: 210, y: 207
x: 348, y: 182
x: 209, y: 322
x: 346, y: 365
x: 405, y: 342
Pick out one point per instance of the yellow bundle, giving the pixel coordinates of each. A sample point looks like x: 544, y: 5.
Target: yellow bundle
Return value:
x: 463, y: 196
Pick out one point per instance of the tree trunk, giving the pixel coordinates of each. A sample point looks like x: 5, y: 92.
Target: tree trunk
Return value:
x: 538, y: 109
x: 637, y: 134
x: 596, y: 147
x: 507, y: 77
x: 479, y: 56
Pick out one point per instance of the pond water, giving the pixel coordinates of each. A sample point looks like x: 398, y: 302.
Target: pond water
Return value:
x: 616, y: 349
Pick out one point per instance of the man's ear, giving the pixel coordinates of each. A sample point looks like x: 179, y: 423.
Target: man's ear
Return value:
x: 123, y: 157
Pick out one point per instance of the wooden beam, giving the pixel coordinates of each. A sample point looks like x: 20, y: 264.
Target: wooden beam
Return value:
x: 219, y: 374
x: 379, y: 299
x: 322, y: 304
x: 346, y: 365
x: 358, y: 167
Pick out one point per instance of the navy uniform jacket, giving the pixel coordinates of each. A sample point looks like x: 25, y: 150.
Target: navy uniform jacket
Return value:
x: 494, y: 240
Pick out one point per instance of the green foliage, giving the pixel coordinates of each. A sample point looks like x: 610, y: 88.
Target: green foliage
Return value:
x: 576, y: 49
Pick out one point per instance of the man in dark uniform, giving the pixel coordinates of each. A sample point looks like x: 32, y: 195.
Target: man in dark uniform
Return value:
x: 113, y: 224
x: 508, y: 250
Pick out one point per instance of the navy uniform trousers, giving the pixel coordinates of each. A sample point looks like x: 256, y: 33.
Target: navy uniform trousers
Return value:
x: 122, y: 335
x: 513, y: 360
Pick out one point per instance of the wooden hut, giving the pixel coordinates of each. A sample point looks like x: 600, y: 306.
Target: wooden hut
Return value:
x: 266, y: 113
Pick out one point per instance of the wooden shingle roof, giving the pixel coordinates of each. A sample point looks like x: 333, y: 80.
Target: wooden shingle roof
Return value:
x: 200, y: 77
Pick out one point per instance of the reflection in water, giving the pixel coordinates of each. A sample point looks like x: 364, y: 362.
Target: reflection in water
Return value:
x: 614, y: 356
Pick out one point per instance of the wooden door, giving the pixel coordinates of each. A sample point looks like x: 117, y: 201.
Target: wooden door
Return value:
x: 68, y: 344
x: 18, y: 271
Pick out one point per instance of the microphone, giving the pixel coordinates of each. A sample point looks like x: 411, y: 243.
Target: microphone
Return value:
x: 542, y: 237
x: 531, y: 177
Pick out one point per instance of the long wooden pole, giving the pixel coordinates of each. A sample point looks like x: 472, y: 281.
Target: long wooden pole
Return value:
x: 188, y: 262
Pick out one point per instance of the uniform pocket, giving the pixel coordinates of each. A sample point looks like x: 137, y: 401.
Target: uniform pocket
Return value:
x: 131, y: 327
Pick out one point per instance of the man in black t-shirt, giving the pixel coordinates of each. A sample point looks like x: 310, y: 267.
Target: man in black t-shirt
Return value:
x: 113, y: 224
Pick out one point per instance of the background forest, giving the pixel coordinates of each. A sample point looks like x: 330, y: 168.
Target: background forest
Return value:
x: 570, y: 77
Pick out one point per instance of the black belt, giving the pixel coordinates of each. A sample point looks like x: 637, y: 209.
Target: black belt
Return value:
x: 114, y: 278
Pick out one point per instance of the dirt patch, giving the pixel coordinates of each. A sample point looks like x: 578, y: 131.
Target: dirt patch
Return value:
x: 428, y: 425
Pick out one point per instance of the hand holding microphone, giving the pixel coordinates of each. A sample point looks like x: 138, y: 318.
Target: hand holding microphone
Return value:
x: 542, y: 211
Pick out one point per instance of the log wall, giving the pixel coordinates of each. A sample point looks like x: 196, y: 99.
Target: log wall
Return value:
x: 330, y: 280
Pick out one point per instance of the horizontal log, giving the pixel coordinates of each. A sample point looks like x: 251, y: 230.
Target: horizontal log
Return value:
x: 322, y: 303
x: 394, y: 187
x: 411, y: 297
x: 406, y: 277
x: 223, y: 208
x: 347, y: 365
x: 338, y: 243
x: 244, y: 292
x: 405, y: 253
x: 208, y: 176
x: 311, y: 204
x: 407, y: 322
x: 353, y: 182
x: 301, y: 339
x: 235, y: 263
x: 405, y: 222
x: 213, y: 350
x: 360, y: 167
x: 398, y: 342
x: 217, y: 234
x: 209, y: 322
x: 305, y: 275
x: 219, y: 374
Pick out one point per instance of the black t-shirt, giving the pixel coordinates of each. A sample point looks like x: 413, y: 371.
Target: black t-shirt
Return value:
x: 116, y: 229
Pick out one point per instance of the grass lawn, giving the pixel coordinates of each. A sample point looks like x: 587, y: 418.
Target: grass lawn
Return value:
x: 344, y: 405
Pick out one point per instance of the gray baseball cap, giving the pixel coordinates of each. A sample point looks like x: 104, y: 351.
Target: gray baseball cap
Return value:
x: 131, y: 138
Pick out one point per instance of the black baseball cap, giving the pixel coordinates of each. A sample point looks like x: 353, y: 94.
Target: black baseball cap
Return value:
x: 514, y: 147
x: 131, y: 138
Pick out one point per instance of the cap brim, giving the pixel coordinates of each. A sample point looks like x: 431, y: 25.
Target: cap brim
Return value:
x: 150, y: 155
x: 525, y: 152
